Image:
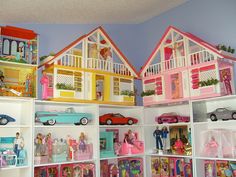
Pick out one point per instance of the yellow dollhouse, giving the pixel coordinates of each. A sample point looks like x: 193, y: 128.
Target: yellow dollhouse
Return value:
x: 18, y: 62
x: 90, y: 69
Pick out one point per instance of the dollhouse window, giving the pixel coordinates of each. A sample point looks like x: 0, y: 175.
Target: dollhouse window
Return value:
x: 6, y: 47
x: 116, y: 86
x: 13, y: 48
x: 78, y: 81
x: 125, y: 84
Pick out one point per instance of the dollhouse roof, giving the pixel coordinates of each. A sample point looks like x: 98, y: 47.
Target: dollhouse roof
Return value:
x: 17, y: 32
x: 77, y: 41
x: 189, y: 36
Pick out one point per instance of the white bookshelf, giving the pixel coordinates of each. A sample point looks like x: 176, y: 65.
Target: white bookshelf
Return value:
x: 23, y: 110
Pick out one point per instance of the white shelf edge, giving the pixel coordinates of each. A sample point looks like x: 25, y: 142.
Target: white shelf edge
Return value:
x: 169, y: 155
x: 215, y: 98
x: 63, y: 103
x: 18, y: 64
x: 172, y: 124
x: 214, y: 158
x: 64, y: 126
x: 19, y: 99
x: 123, y: 156
x: 14, y: 167
x: 66, y: 162
x: 15, y: 126
x: 119, y: 126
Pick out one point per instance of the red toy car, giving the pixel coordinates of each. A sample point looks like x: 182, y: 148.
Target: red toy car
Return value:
x: 114, y: 119
x: 171, y: 117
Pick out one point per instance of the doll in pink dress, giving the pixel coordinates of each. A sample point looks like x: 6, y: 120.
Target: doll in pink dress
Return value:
x: 226, y: 79
x: 179, y: 146
x: 44, y: 82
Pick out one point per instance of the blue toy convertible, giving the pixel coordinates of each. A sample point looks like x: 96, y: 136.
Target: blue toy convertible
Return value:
x: 67, y: 117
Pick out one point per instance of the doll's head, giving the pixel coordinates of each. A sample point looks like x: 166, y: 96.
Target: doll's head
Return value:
x: 82, y: 136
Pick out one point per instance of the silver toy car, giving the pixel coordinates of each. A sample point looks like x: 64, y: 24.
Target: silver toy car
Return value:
x: 222, y: 113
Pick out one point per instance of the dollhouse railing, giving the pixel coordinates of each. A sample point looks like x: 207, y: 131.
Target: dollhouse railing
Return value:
x: 93, y: 63
x: 121, y: 69
x: 193, y: 58
x: 108, y: 66
x: 166, y: 65
x: 201, y: 57
x: 70, y: 60
x: 98, y: 64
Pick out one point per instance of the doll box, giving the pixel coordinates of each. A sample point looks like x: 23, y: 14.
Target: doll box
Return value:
x: 59, y: 157
x: 87, y: 154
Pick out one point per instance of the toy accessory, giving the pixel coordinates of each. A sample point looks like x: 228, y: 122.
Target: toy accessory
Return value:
x: 222, y: 113
x: 182, y: 67
x: 116, y: 119
x: 171, y: 117
x: 4, y: 119
x: 157, y: 135
x: 95, y: 57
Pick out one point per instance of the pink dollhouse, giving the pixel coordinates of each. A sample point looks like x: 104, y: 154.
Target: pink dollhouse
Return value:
x: 183, y: 67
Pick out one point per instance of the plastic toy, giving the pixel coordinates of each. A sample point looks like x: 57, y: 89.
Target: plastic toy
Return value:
x: 136, y: 167
x: 222, y: 113
x: 4, y: 119
x: 45, y: 84
x: 88, y: 169
x: 53, y: 171
x: 66, y: 170
x: 178, y: 140
x: 40, y: 172
x: 104, y: 168
x: 223, y: 169
x: 18, y: 58
x: 131, y: 144
x: 69, y: 116
x: 157, y: 135
x: 233, y: 167
x: 84, y: 150
x: 155, y: 166
x: 183, y: 66
x: 94, y: 57
x: 124, y: 167
x: 209, y: 168
x: 106, y: 144
x: 12, y: 152
x: 113, y: 170
x: 171, y: 117
x: 114, y: 119
x: 165, y: 137
x: 164, y: 166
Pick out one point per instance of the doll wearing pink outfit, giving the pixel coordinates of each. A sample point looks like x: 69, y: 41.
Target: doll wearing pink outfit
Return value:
x: 44, y: 82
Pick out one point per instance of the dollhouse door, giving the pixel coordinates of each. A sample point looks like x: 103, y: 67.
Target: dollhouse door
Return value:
x: 176, y: 86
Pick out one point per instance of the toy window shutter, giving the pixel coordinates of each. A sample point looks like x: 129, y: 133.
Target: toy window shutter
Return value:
x: 159, y: 86
x: 195, y: 78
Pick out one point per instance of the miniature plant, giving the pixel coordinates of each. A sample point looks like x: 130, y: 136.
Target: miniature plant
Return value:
x: 225, y: 48
x: 148, y: 93
x: 208, y: 82
x: 64, y: 86
x: 127, y: 92
x: 45, y: 56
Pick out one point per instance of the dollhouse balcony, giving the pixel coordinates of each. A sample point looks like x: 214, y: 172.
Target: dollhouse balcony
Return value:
x: 201, y: 57
x: 107, y: 66
x: 166, y: 65
x: 77, y: 61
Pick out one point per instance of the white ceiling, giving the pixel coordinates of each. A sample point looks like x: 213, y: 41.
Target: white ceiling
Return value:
x: 83, y: 11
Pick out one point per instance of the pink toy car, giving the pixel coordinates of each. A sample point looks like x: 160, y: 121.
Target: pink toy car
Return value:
x: 171, y: 117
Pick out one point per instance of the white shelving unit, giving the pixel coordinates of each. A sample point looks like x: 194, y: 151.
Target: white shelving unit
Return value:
x: 23, y: 111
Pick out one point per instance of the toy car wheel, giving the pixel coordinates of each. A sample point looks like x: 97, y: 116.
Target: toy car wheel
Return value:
x: 51, y: 122
x: 130, y: 122
x: 213, y: 117
x: 84, y: 121
x: 109, y: 122
x: 3, y: 121
x: 234, y: 116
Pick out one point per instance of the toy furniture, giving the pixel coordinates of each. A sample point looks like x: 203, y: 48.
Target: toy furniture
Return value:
x: 131, y: 144
x: 106, y: 144
x: 92, y: 57
x: 19, y: 60
x: 12, y: 152
x: 182, y: 67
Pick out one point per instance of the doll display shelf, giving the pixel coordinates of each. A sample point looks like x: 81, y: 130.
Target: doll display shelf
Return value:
x: 199, y: 124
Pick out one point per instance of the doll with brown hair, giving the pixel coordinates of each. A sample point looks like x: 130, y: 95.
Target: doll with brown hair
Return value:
x: 82, y: 142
